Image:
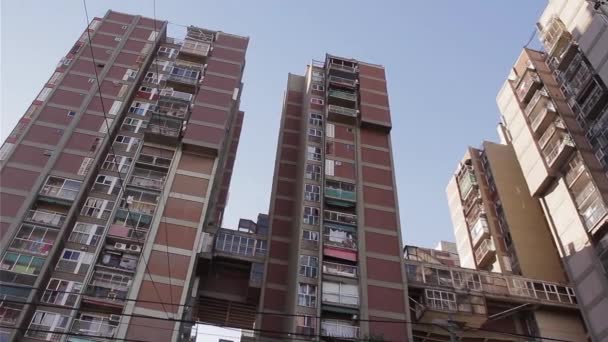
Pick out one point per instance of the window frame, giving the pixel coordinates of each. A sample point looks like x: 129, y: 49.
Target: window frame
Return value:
x: 308, y: 266
x: 308, y: 297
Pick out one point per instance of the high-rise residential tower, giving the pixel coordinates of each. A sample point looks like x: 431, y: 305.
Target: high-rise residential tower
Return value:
x: 108, y: 193
x: 554, y: 108
x: 335, y: 266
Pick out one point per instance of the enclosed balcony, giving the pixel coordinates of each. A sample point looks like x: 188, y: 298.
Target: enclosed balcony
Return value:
x: 343, y: 66
x: 340, y: 242
x: 341, y: 270
x: 164, y: 130
x: 485, y: 252
x: 340, y: 193
x: 595, y: 213
x: 171, y: 95
x: 341, y: 294
x: 540, y: 97
x: 558, y: 150
x: 480, y: 230
x: 48, y: 218
x: 341, y: 114
x: 342, y: 82
x: 339, y: 329
x: 172, y: 109
x: 126, y: 233
x: 527, y: 85
x: 95, y: 324
x: 147, y: 179
x: 115, y: 257
x: 108, y: 288
x: 466, y: 181
x: 184, y: 76
x: 60, y: 190
x: 193, y: 49
x: 243, y: 246
x: 595, y: 98
x: 555, y: 37
x: 342, y: 98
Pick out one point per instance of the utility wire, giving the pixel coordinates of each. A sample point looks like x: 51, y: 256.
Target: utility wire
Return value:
x: 122, y: 183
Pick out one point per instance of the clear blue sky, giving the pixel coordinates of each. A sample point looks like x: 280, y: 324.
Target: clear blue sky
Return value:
x: 445, y: 62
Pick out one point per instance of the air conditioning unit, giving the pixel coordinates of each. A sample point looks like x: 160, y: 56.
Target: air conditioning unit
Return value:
x: 121, y: 246
x: 135, y: 248
x: 114, y: 318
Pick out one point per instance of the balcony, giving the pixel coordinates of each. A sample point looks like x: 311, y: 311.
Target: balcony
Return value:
x: 340, y: 193
x: 541, y: 94
x: 342, y: 95
x: 192, y: 49
x: 127, y: 233
x: 488, y: 284
x: 594, y: 214
x: 171, y: 109
x: 119, y: 261
x: 484, y: 252
x: 342, y: 66
x: 466, y: 182
x: 339, y: 329
x: 95, y: 326
x: 527, y: 85
x: 341, y: 270
x: 108, y: 288
x: 49, y: 218
x: 147, y: 179
x: 596, y: 99
x: 555, y: 37
x: 164, y: 130
x: 341, y: 114
x: 340, y: 294
x: 170, y: 95
x: 62, y: 189
x: 342, y: 82
x: 556, y: 126
x: 341, y: 98
x: 480, y: 230
x: 576, y: 167
x: 240, y: 245
x: 558, y: 151
x: 338, y: 217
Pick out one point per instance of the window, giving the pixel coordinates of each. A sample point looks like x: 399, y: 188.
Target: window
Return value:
x: 5, y: 150
x: 153, y: 160
x: 139, y: 201
x: 129, y: 75
x: 34, y: 239
x: 311, y: 215
x: 307, y: 295
x: 61, y: 292
x: 316, y: 100
x: 313, y: 172
x: 183, y: 72
x: 71, y: 113
x: 44, y: 94
x: 117, y: 163
x: 60, y: 188
x: 312, y: 193
x: 133, y: 125
x: 139, y: 108
x: 310, y: 235
x: 309, y: 266
x: 146, y: 89
x: 340, y: 293
x: 106, y: 184
x: 441, y: 300
x: 315, y: 135
x: 318, y: 87
x: 55, y: 78
x: 86, y: 234
x: 306, y: 325
x: 318, y: 76
x: 44, y: 323
x: 128, y: 141
x: 133, y: 219
x: 97, y: 208
x: 73, y: 261
x: 314, y: 153
x: 316, y: 119
x: 21, y: 263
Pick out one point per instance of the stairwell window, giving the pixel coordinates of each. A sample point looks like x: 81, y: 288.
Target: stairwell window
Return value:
x: 313, y: 172
x: 311, y: 216
x: 309, y: 266
x: 317, y: 87
x: 314, y: 153
x: 310, y: 235
x: 307, y: 295
x: 86, y: 234
x: 315, y: 135
x: 316, y: 100
x: 44, y: 94
x: 316, y: 119
x: 312, y: 193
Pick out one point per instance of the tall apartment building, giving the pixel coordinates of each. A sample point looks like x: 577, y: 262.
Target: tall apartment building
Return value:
x: 334, y: 266
x: 554, y: 108
x: 107, y: 193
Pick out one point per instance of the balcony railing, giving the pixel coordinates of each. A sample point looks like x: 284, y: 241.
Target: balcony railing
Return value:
x: 585, y: 194
x: 49, y: 218
x: 575, y: 168
x: 342, y: 67
x: 339, y: 217
x: 181, y: 96
x: 348, y: 242
x: 466, y: 182
x: 196, y: 48
x: 555, y: 36
x: 487, y: 283
x: 340, y: 298
x: 342, y: 95
x: 101, y: 328
x: 59, y: 192
x: 544, y: 139
x: 342, y: 110
x: 554, y: 149
x: 339, y: 329
x: 528, y: 82
x: 484, y: 250
x: 183, y: 79
x: 342, y: 81
x: 594, y: 213
x: 148, y: 183
x: 339, y: 269
x: 340, y: 194
x: 592, y: 100
x: 535, y: 99
x: 164, y: 126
